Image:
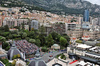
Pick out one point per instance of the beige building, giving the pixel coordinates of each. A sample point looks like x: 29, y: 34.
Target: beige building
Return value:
x: 77, y: 33
x: 10, y: 21
x: 0, y: 21
x: 20, y: 63
x: 26, y: 27
x: 93, y: 34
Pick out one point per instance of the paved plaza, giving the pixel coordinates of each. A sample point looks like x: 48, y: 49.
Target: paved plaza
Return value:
x: 62, y: 63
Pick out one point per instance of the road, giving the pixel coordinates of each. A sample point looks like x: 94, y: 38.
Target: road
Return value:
x: 46, y: 57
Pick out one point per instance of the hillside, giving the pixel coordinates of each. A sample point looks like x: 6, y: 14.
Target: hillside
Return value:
x: 19, y: 3
x: 66, y: 6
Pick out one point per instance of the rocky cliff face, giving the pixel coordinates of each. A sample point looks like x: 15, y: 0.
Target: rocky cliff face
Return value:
x: 64, y: 5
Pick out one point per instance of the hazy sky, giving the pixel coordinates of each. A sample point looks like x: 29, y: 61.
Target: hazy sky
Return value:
x: 95, y: 1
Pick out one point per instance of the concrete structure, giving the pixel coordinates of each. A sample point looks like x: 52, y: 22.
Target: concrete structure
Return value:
x: 77, y: 33
x: 14, y: 51
x: 86, y: 52
x: 86, y: 25
x: 99, y: 21
x: 34, y: 24
x: 92, y: 34
x: 20, y: 63
x: 56, y: 27
x: 55, y: 46
x: 3, y: 54
x: 71, y: 26
x: 22, y: 21
x: 10, y: 21
x: 95, y: 21
x: 37, y: 61
x: 26, y: 27
x: 0, y: 21
x: 86, y: 34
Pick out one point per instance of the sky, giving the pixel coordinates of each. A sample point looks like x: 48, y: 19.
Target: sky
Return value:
x: 94, y: 1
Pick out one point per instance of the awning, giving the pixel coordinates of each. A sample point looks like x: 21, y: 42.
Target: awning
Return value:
x: 89, y: 59
x: 71, y: 54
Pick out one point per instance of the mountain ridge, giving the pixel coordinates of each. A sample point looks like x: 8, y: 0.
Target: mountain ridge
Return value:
x: 65, y: 5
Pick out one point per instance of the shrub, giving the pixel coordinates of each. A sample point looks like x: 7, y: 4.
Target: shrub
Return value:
x: 78, y: 41
x: 44, y: 49
x: 98, y: 44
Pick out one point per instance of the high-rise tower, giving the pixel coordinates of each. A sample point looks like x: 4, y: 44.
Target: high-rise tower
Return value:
x: 86, y: 16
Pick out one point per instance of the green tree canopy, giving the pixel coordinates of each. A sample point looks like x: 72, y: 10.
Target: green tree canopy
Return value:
x: 49, y: 40
x: 32, y: 40
x: 63, y: 41
x: 5, y: 46
x: 24, y: 35
x: 10, y: 36
x: 6, y: 28
x: 44, y: 49
x: 38, y: 42
x: 2, y: 38
x: 78, y: 41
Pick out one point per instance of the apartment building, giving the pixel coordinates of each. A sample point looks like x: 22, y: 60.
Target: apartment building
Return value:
x: 10, y: 21
x: 0, y: 21
x: 93, y: 34
x: 56, y: 27
x: 22, y: 21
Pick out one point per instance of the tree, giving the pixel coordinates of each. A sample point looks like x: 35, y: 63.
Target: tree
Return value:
x: 32, y: 29
x: 78, y: 41
x: 44, y: 49
x: 2, y: 38
x: 54, y: 35
x: 32, y: 40
x: 5, y: 46
x: 13, y: 63
x: 10, y: 36
x: 24, y: 35
x: 17, y: 27
x: 2, y: 28
x: 49, y: 40
x: 63, y: 41
x: 15, y: 35
x: 38, y: 42
x: 98, y: 44
x: 67, y: 37
x: 6, y: 62
x: 23, y: 25
x: 21, y: 33
x: 6, y: 34
x: 14, y: 57
x: 18, y: 55
x: 42, y: 29
x: 6, y: 28
x: 42, y: 39
x: 58, y: 37
x: 31, y: 34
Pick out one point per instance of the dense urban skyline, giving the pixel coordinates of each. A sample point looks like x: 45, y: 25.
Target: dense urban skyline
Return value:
x: 31, y: 36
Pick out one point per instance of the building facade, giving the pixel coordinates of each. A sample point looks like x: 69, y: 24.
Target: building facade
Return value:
x: 86, y: 16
